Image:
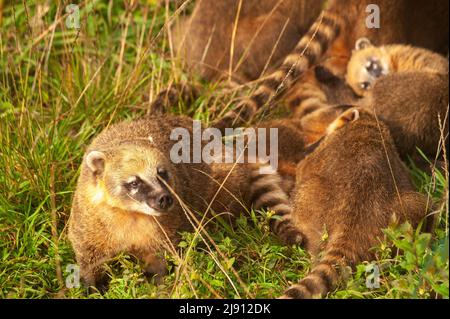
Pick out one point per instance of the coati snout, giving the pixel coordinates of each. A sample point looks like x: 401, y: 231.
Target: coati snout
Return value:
x: 165, y: 201
x: 153, y: 193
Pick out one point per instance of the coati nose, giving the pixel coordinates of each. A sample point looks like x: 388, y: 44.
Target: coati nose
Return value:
x: 165, y: 201
x: 374, y: 68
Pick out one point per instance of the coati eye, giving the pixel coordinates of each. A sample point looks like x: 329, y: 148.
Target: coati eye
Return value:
x: 134, y: 184
x: 162, y: 172
x: 365, y: 85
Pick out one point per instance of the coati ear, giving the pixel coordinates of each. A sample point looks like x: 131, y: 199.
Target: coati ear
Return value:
x: 95, y: 160
x: 362, y: 43
x: 344, y: 119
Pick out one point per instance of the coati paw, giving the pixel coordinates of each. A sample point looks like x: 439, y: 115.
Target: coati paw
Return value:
x: 156, y: 279
x: 155, y: 276
x: 222, y: 124
x: 291, y: 236
x: 187, y: 93
x: 346, y: 118
x: 158, y: 107
x: 155, y: 269
x: 243, y: 113
x: 287, y: 232
x: 100, y: 285
x: 296, y: 292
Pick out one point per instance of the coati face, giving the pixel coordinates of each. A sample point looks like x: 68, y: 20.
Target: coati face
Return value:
x: 367, y: 64
x: 133, y: 178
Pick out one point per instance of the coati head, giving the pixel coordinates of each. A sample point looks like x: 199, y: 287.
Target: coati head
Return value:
x: 367, y: 64
x: 132, y: 177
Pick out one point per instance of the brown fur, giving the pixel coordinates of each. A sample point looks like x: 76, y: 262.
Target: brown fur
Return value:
x: 346, y: 188
x: 266, y: 31
x: 105, y: 220
x: 295, y: 135
x: 334, y: 34
x: 413, y: 105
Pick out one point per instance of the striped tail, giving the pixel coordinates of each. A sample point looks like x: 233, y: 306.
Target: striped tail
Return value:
x: 307, y: 53
x: 326, y: 274
x: 309, y: 96
x: 172, y: 96
x: 267, y: 193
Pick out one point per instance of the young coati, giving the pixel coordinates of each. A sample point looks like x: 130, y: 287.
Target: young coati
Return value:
x: 347, y: 190
x: 333, y: 35
x: 368, y: 63
x: 414, y: 105
x: 265, y: 32
x: 131, y: 197
x: 407, y: 87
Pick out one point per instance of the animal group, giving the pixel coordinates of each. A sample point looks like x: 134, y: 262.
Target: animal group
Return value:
x: 363, y: 99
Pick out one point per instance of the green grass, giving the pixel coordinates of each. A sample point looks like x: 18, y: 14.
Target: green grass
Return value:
x: 59, y: 88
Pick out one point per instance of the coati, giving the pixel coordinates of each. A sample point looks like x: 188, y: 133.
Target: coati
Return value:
x: 334, y: 33
x: 347, y: 190
x: 130, y: 197
x: 408, y: 90
x: 265, y: 32
x: 368, y: 63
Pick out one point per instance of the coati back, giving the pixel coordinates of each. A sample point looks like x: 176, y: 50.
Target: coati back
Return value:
x: 131, y: 197
x: 351, y: 187
x: 334, y: 34
x: 414, y: 105
x: 368, y: 63
x: 265, y: 32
